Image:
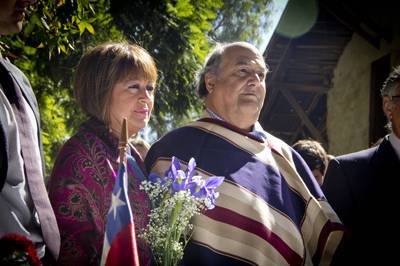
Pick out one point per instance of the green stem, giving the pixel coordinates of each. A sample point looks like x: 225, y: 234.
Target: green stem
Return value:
x: 168, y: 258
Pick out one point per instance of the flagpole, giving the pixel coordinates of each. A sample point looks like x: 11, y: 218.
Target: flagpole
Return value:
x: 123, y: 141
x: 119, y: 246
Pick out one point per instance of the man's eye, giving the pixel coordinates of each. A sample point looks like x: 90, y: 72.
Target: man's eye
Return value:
x: 150, y: 88
x: 243, y: 71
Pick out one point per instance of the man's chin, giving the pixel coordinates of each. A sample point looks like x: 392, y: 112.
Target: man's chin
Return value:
x: 250, y: 107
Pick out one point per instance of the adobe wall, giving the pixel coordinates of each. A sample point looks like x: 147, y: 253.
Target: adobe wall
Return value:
x: 348, y: 99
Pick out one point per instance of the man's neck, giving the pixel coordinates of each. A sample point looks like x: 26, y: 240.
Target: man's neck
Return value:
x: 215, y: 115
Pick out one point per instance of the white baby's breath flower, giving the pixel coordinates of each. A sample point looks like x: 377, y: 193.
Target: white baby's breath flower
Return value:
x: 175, y: 199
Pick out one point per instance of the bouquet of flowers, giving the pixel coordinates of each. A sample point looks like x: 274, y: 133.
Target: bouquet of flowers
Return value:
x: 176, y: 198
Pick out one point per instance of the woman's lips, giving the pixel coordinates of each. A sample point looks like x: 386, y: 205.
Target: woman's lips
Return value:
x: 142, y: 111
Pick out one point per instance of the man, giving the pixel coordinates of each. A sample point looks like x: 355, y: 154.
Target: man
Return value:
x: 270, y: 210
x: 314, y: 155
x: 24, y: 204
x: 361, y: 188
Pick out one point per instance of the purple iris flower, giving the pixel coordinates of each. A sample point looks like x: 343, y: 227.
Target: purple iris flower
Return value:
x: 190, y: 172
x: 210, y: 200
x: 200, y: 187
x: 190, y: 180
x: 196, y: 186
x: 178, y: 176
x: 211, y: 184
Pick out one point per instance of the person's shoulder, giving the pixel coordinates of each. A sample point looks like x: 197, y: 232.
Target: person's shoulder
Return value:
x: 175, y: 140
x: 275, y: 140
x: 18, y: 74
x: 82, y: 140
x: 180, y: 135
x: 358, y: 156
x: 75, y: 142
x: 280, y: 146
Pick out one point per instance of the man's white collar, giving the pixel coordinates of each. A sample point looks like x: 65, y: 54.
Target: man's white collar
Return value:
x: 395, y: 141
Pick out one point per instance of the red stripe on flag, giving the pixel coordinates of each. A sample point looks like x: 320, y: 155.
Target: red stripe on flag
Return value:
x: 323, y: 237
x: 122, y: 248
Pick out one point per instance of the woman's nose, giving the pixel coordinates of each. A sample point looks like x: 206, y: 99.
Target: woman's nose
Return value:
x: 145, y: 94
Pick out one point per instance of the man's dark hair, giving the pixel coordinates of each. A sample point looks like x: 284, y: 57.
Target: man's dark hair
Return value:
x: 313, y: 153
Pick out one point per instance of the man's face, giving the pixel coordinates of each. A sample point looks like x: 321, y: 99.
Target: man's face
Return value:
x: 12, y: 14
x: 396, y: 112
x: 237, y: 90
x: 391, y: 107
x: 319, y: 176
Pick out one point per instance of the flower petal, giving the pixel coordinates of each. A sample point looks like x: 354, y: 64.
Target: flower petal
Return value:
x: 214, y: 181
x: 175, y: 164
x: 191, y: 166
x: 153, y: 177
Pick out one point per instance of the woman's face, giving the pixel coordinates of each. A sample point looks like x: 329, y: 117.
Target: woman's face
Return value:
x: 132, y: 98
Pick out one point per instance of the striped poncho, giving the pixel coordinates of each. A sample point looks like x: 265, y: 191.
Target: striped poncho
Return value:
x: 270, y: 211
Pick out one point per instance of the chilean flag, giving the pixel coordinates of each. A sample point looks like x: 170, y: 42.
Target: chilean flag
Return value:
x: 119, y: 246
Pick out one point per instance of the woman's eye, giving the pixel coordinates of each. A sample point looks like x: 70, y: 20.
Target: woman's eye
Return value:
x: 134, y: 86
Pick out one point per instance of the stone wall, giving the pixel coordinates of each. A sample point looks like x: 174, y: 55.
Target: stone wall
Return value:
x: 348, y: 99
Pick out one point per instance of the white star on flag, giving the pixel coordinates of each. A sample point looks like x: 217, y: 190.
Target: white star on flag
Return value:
x: 116, y: 202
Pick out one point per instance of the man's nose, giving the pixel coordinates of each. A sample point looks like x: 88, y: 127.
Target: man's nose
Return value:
x: 255, y: 79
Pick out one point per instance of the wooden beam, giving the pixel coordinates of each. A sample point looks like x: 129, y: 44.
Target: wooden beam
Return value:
x: 300, y: 87
x: 302, y: 114
x: 365, y: 28
x: 276, y: 74
x: 310, y: 108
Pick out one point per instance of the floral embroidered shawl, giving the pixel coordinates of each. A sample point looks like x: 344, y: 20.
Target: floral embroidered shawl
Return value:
x: 80, y: 191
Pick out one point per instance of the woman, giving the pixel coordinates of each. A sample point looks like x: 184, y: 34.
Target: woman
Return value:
x: 113, y: 81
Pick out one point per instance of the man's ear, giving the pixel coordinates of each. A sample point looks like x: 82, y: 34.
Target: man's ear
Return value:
x: 209, y: 80
x: 386, y: 106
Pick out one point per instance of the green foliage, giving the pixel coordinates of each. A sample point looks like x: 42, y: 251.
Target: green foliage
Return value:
x: 178, y: 33
x: 175, y: 33
x: 241, y: 20
x: 47, y: 50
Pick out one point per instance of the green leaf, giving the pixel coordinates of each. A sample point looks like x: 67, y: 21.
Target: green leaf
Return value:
x: 90, y: 28
x: 62, y: 48
x: 82, y: 27
x: 29, y: 50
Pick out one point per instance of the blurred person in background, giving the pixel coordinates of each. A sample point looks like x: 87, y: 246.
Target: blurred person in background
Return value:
x: 315, y: 156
